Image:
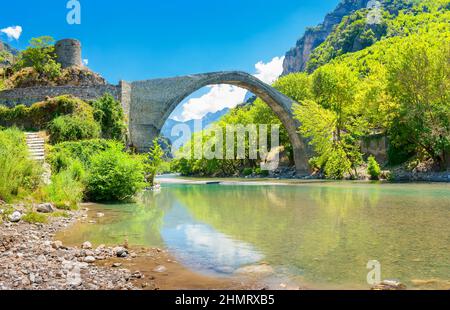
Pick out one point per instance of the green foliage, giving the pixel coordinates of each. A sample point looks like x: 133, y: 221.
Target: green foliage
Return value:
x: 38, y: 116
x: 247, y: 171
x: 40, y: 55
x: 17, y: 173
x: 352, y: 34
x: 332, y: 121
x: 114, y: 176
x: 419, y: 80
x: 260, y: 172
x: 153, y: 162
x: 373, y: 168
x: 34, y: 217
x: 109, y: 114
x: 390, y: 79
x: 72, y: 128
x: 66, y: 188
x: 61, y: 155
x: 296, y: 86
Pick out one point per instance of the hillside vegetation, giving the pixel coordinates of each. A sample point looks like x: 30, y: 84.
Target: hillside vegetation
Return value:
x: 396, y: 84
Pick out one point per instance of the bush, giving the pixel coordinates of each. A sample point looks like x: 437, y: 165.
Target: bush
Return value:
x: 72, y: 128
x: 17, y: 171
x: 247, y: 171
x: 114, y: 175
x: 373, y: 168
x: 65, y: 191
x: 337, y: 164
x: 61, y: 155
x: 37, y: 116
x: 260, y: 172
x: 108, y: 113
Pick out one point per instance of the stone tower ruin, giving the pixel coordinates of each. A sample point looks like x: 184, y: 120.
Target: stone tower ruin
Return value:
x: 68, y: 52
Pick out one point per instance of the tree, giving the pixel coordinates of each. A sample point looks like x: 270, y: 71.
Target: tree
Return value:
x: 153, y: 161
x: 419, y: 81
x: 332, y: 122
x: 109, y: 114
x: 41, y: 56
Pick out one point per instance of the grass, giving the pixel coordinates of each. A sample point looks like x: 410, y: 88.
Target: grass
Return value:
x: 35, y: 217
x: 18, y: 174
x: 64, y: 192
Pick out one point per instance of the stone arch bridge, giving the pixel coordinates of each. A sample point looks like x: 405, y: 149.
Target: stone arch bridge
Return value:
x: 149, y: 104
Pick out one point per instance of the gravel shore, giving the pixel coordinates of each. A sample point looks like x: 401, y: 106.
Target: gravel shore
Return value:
x: 31, y: 260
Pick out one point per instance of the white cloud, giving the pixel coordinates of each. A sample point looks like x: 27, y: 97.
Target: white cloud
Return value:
x: 219, y: 97
x: 85, y: 61
x: 228, y: 96
x: 269, y: 72
x: 13, y: 32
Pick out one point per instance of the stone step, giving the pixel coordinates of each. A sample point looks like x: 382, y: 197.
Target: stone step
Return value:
x: 36, y: 144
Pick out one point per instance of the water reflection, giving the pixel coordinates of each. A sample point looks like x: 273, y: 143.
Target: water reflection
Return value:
x: 323, y: 233
x: 201, y: 247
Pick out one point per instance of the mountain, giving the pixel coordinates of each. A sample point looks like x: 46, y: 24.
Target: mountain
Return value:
x: 206, y: 121
x: 8, y: 48
x: 7, y: 53
x: 297, y: 58
x: 347, y: 29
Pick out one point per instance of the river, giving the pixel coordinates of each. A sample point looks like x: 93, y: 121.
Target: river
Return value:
x: 318, y: 234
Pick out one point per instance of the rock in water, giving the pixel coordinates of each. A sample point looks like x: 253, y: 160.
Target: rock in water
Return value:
x: 15, y: 217
x: 45, y: 208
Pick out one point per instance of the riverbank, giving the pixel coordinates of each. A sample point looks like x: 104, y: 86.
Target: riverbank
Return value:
x: 31, y: 258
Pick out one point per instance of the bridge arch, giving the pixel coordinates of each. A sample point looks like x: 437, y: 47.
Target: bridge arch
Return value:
x: 152, y: 102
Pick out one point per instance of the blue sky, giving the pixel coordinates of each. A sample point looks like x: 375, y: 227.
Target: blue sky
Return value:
x: 137, y: 39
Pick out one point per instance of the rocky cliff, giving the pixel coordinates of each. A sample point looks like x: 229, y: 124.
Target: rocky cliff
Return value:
x: 297, y: 58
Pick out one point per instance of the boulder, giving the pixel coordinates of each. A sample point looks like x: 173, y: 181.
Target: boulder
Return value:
x: 15, y: 217
x: 120, y: 251
x: 45, y: 208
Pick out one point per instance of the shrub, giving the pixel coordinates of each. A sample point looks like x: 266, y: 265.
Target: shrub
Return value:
x: 34, y: 217
x: 373, y: 168
x: 263, y: 173
x: 337, y: 164
x: 37, y: 116
x: 61, y: 155
x: 65, y: 191
x: 114, y: 175
x: 17, y: 171
x: 108, y: 113
x: 247, y: 171
x: 72, y: 128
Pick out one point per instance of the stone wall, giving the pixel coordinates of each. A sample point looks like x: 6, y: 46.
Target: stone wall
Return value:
x: 30, y: 95
x: 376, y: 145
